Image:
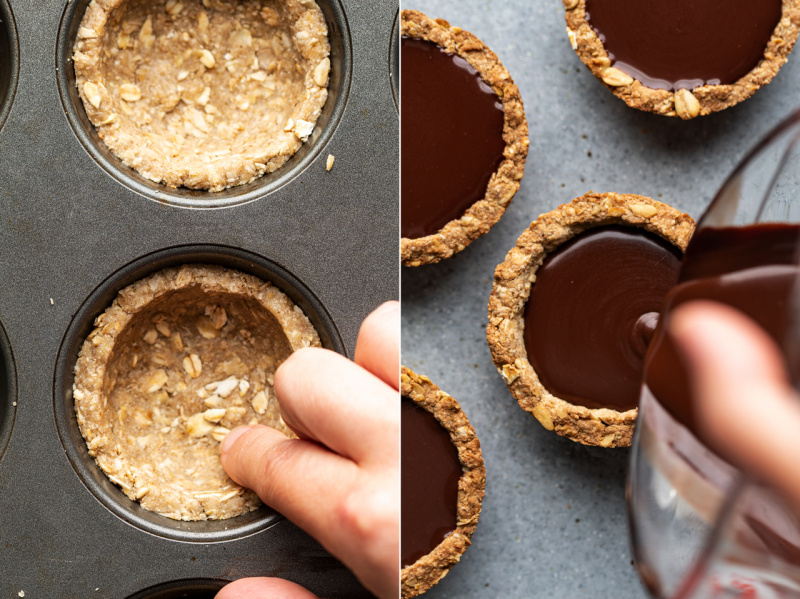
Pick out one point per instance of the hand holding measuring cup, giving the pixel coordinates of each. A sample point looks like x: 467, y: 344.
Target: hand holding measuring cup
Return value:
x: 704, y: 523
x: 731, y: 362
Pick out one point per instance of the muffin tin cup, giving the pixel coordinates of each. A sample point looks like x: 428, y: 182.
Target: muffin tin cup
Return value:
x: 338, y: 90
x: 75, y: 229
x: 82, y: 324
x: 182, y: 589
x: 9, y: 60
x: 8, y: 390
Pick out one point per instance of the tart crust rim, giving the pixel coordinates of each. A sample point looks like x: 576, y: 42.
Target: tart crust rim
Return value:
x: 513, y: 278
x: 432, y: 567
x: 457, y: 234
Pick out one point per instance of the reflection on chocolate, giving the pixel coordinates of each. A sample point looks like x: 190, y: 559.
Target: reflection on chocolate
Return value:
x: 592, y: 310
x: 430, y: 474
x: 675, y: 44
x: 452, y: 137
x: 750, y: 268
x: 642, y: 332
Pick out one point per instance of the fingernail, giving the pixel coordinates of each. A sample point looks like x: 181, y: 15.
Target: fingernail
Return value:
x: 230, y: 439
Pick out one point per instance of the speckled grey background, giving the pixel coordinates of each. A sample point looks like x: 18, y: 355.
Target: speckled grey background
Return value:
x: 553, y: 522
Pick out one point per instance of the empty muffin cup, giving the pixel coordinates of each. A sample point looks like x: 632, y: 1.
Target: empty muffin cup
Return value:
x: 8, y: 390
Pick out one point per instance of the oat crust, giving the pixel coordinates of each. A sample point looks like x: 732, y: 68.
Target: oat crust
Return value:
x: 204, y: 95
x: 430, y: 569
x: 149, y: 380
x: 512, y: 284
x: 479, y: 218
x: 685, y: 104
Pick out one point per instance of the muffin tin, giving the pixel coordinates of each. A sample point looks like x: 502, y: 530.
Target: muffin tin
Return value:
x: 76, y: 226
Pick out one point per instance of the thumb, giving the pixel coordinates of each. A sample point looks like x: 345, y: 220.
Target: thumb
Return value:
x: 244, y: 451
x: 745, y: 403
x: 300, y: 479
x: 264, y: 588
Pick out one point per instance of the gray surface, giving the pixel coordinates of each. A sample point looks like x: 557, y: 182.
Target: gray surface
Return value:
x: 69, y: 220
x: 553, y: 522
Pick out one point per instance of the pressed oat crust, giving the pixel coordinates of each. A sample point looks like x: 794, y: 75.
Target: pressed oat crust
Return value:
x: 431, y: 568
x: 178, y: 360
x: 512, y: 284
x: 683, y: 103
x: 204, y: 95
x: 479, y: 218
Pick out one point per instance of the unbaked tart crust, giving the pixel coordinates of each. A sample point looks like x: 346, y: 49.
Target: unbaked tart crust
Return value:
x: 203, y: 94
x: 479, y: 218
x: 178, y: 360
x: 512, y: 287
x: 683, y: 103
x: 417, y: 578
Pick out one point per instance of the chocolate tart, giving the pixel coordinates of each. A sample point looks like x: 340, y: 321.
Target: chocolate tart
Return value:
x: 464, y: 138
x: 204, y: 95
x: 443, y: 482
x: 178, y: 360
x: 573, y: 308
x: 679, y: 57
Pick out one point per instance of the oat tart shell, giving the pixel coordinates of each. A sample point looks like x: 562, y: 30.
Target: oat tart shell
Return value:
x: 140, y: 81
x: 512, y: 285
x: 160, y: 443
x: 504, y: 183
x: 684, y: 103
x: 428, y: 570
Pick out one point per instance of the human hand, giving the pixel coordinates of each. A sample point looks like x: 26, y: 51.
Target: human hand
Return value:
x: 745, y: 402
x: 340, y: 481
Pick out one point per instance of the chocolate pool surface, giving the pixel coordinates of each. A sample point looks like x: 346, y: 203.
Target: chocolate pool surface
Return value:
x: 592, y: 312
x: 430, y: 474
x: 675, y: 44
x: 452, y: 137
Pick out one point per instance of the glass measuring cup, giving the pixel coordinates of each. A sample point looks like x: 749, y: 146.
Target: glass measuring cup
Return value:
x: 699, y: 526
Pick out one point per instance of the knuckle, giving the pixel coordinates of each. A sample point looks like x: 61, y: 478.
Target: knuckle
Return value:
x: 365, y: 515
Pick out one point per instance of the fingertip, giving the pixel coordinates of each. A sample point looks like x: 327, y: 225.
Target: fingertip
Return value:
x: 389, y: 310
x: 723, y: 343
x: 264, y: 588
x: 384, y: 321
x: 231, y: 439
x: 378, y: 344
x: 245, y: 455
x: 297, y: 367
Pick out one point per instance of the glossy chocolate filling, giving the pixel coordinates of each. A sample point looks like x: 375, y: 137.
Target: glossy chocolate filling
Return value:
x: 430, y: 471
x: 683, y: 44
x: 452, y: 137
x: 592, y: 312
x: 750, y: 268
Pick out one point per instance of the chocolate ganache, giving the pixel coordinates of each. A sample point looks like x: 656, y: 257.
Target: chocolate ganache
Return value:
x: 684, y: 44
x: 430, y: 471
x: 751, y: 268
x: 592, y: 312
x: 451, y: 133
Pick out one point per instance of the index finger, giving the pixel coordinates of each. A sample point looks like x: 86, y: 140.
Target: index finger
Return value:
x: 378, y: 344
x: 329, y: 399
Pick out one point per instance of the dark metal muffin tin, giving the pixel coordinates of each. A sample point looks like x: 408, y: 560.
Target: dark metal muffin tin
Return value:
x: 76, y: 226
